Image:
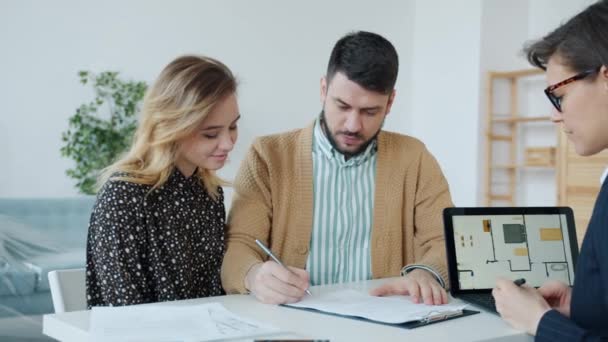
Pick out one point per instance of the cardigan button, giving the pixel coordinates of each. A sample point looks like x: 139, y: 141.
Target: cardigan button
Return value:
x: 303, y: 250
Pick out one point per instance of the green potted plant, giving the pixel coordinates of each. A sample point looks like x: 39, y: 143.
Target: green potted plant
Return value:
x: 94, y: 140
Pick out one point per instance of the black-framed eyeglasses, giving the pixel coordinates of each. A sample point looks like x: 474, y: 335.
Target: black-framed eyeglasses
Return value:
x: 557, y: 100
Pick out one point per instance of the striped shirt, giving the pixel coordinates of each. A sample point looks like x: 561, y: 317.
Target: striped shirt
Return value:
x: 343, y: 193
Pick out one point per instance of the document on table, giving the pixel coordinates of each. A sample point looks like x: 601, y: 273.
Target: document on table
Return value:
x: 202, y: 322
x: 394, y: 309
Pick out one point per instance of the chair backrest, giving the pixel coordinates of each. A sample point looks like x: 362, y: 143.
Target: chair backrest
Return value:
x: 68, y: 289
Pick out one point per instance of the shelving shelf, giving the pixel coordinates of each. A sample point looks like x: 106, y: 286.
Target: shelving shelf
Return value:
x: 540, y: 158
x: 522, y: 119
x: 577, y: 178
x: 506, y: 166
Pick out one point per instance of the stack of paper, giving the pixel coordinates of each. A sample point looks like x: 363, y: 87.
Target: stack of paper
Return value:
x: 395, y: 309
x: 202, y: 322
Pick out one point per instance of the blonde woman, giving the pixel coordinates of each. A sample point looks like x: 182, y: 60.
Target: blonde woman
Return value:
x: 157, y: 229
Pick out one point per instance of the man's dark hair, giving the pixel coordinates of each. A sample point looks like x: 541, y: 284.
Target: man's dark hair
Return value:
x: 581, y: 43
x: 367, y: 59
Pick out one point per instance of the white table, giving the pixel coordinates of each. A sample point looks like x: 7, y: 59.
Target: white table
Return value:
x: 74, y: 326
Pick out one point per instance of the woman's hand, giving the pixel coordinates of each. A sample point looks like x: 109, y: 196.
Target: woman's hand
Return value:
x: 558, y: 295
x: 522, y: 307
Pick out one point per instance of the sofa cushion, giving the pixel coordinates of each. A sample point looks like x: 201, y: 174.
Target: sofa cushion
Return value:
x: 19, y: 243
x: 37, y: 303
x: 36, y: 236
x: 64, y: 219
x: 17, y: 282
x: 43, y: 264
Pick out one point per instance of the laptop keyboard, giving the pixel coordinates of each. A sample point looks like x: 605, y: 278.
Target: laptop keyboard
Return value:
x: 485, y: 300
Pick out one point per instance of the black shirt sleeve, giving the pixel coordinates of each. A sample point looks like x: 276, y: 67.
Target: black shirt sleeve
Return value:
x: 117, y: 271
x: 589, y: 304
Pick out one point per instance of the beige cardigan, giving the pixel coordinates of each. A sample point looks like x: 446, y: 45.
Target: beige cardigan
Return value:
x: 273, y: 202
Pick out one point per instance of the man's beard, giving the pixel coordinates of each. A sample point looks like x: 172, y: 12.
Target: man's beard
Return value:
x: 334, y: 143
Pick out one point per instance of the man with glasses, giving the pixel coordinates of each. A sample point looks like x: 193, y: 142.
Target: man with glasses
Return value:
x: 341, y: 200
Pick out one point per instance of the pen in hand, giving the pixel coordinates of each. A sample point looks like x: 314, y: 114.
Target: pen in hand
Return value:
x: 519, y: 282
x: 270, y: 254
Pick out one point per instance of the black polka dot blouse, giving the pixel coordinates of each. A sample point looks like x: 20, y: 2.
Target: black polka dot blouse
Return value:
x: 163, y: 245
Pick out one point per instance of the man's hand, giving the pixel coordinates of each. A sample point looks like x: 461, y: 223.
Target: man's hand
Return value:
x: 522, y: 307
x: 273, y: 284
x: 558, y: 295
x: 420, y: 284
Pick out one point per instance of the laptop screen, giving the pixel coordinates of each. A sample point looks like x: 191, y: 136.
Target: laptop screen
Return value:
x: 531, y: 243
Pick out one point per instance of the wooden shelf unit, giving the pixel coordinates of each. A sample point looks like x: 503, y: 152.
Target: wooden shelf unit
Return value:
x: 577, y: 177
x: 511, y: 121
x: 578, y: 182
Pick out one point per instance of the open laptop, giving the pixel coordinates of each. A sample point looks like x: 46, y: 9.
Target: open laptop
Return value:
x: 534, y: 243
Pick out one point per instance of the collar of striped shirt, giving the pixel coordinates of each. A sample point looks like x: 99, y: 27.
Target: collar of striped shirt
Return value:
x: 322, y: 144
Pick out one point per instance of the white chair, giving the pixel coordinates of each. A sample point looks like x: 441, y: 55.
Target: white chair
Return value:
x: 68, y: 289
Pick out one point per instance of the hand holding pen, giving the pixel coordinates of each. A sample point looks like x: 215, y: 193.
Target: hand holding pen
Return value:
x: 274, y: 283
x: 270, y: 254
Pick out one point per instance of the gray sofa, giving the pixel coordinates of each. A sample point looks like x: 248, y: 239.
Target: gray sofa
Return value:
x: 37, y: 236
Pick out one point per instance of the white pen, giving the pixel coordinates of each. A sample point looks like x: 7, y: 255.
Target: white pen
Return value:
x: 270, y: 254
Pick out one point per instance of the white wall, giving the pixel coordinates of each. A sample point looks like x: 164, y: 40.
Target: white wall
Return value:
x: 278, y: 49
x: 445, y: 88
x: 547, y: 15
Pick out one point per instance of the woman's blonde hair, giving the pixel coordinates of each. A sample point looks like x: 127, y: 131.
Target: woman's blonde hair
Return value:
x: 179, y: 100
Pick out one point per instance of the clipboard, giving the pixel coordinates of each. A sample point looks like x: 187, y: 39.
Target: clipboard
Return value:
x: 428, y: 320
